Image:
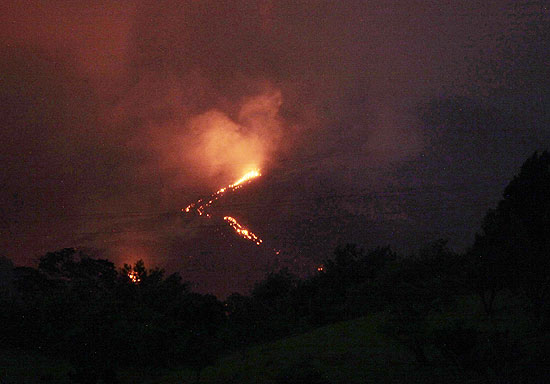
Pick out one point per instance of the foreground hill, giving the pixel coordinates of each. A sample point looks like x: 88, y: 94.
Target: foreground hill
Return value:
x: 348, y: 352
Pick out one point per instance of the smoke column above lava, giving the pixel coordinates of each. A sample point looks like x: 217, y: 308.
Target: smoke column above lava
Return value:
x: 217, y: 145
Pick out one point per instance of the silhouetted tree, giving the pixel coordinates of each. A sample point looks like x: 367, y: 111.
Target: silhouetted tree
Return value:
x: 6, y: 275
x: 416, y: 288
x: 340, y: 274
x: 271, y: 297
x: 244, y: 322
x: 513, y: 249
x: 274, y: 289
x: 8, y: 302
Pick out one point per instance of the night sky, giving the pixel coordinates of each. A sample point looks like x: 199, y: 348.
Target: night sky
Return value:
x: 374, y: 122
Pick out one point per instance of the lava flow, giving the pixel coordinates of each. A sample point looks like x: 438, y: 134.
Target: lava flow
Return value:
x: 245, y: 233
x: 201, y: 206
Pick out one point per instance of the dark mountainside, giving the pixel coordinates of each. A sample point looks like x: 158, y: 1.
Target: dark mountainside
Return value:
x: 479, y: 316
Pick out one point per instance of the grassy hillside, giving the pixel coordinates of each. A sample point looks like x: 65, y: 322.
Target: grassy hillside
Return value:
x: 347, y: 352
x: 354, y: 351
x: 23, y: 368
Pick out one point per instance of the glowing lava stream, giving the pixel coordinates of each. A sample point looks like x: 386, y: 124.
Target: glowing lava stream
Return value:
x: 215, y: 196
x: 245, y: 233
x: 200, y: 207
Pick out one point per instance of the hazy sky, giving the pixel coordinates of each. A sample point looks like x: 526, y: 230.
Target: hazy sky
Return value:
x: 378, y: 122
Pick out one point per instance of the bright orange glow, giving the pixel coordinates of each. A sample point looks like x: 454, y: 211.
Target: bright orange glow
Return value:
x: 200, y: 207
x: 134, y: 277
x: 241, y: 231
x: 248, y: 176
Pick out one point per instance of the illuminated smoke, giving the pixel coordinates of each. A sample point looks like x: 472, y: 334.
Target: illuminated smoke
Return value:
x: 222, y: 146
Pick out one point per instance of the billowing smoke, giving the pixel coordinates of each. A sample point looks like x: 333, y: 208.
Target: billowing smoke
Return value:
x: 220, y: 148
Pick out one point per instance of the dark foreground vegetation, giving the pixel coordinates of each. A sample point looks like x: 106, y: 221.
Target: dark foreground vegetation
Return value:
x: 481, y: 316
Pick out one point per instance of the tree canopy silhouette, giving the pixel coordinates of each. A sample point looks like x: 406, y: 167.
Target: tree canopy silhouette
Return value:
x: 513, y: 249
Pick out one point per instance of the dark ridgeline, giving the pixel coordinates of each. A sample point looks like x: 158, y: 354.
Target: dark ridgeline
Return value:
x: 484, y: 313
